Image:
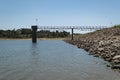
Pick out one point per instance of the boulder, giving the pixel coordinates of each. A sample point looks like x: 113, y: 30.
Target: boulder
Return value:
x: 100, y: 49
x: 116, y: 66
x: 116, y: 57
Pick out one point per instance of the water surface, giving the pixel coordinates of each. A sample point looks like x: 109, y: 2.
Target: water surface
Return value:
x: 50, y: 60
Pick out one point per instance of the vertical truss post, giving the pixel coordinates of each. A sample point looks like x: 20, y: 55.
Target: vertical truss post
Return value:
x: 72, y: 34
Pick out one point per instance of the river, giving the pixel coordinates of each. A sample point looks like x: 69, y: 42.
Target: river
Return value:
x: 50, y: 60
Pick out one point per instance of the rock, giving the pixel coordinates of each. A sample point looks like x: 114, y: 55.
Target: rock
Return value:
x: 101, y: 43
x: 112, y: 54
x: 96, y: 55
x: 116, y: 61
x: 108, y: 65
x: 100, y: 49
x: 116, y: 57
x: 115, y: 66
x: 108, y: 59
x: 116, y: 44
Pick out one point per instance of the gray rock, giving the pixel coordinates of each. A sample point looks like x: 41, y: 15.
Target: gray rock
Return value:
x: 100, y: 49
x: 116, y: 57
x: 116, y: 66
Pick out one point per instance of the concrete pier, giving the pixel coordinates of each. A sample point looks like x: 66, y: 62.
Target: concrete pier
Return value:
x: 34, y: 34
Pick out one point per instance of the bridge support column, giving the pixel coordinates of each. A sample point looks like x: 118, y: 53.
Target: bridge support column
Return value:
x: 72, y: 34
x: 34, y: 34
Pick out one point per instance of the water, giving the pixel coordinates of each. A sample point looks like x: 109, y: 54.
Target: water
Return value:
x: 50, y: 60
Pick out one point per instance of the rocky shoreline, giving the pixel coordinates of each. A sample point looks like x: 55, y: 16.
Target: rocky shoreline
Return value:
x: 102, y: 43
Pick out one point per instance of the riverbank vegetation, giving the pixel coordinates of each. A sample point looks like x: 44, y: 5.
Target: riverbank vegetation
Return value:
x: 27, y: 33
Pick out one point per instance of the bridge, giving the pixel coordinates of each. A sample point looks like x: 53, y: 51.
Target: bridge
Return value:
x: 82, y: 28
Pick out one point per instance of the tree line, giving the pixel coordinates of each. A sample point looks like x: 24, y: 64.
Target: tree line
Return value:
x: 27, y: 33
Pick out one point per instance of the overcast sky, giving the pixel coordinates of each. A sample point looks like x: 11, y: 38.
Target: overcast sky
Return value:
x: 23, y: 13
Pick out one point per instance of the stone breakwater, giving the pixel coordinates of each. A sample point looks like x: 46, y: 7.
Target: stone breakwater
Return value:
x: 102, y: 43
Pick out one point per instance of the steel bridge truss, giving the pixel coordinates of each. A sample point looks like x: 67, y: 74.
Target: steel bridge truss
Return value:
x: 82, y: 28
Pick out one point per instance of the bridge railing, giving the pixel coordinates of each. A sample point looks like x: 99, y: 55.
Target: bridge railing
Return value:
x: 74, y: 27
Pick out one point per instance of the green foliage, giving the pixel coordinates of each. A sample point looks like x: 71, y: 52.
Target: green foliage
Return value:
x: 27, y: 33
x: 20, y: 33
x: 117, y: 26
x: 48, y: 34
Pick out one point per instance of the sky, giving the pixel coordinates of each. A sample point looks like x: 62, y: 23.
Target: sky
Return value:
x: 15, y: 14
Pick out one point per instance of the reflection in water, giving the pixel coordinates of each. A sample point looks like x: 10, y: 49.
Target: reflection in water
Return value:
x: 50, y: 60
x: 34, y: 49
x: 34, y: 54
